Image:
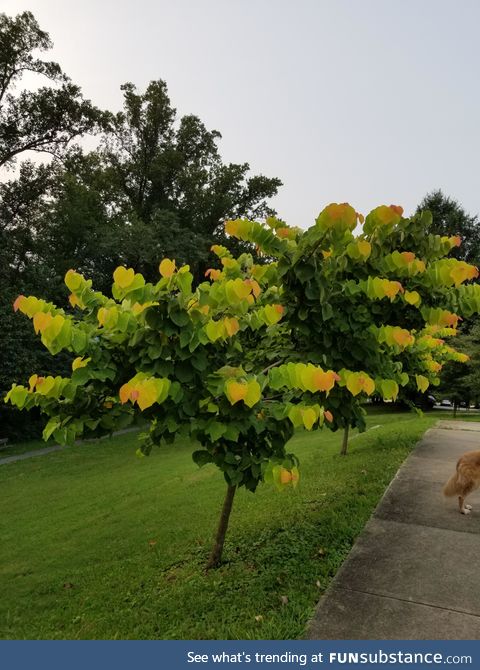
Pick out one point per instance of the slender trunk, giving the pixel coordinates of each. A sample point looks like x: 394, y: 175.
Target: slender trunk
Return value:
x: 216, y: 555
x: 454, y: 409
x: 343, y: 452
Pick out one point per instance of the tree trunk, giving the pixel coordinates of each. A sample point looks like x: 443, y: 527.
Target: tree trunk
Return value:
x: 454, y: 409
x: 216, y: 555
x: 343, y: 452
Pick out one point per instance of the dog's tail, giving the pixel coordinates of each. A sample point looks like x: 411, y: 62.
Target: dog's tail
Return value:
x: 451, y: 487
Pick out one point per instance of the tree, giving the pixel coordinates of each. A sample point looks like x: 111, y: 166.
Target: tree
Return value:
x: 461, y: 382
x: 169, y: 184
x: 449, y: 218
x: 47, y: 119
x: 177, y: 356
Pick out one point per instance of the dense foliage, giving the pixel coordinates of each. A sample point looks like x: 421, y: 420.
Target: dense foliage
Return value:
x: 238, y: 362
x: 375, y: 307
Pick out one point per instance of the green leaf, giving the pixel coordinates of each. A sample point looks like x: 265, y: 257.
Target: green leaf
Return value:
x: 79, y: 341
x: 50, y: 428
x: 327, y: 311
x: 201, y: 457
x: 215, y: 429
x: 184, y: 372
x: 179, y: 317
x: 231, y: 458
x: 231, y: 433
x: 184, y: 281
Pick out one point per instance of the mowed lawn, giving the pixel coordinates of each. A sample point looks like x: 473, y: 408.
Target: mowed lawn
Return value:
x: 96, y: 543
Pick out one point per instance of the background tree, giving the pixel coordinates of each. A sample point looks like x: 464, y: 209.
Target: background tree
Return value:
x: 449, y: 218
x: 169, y: 184
x: 461, y: 382
x: 47, y: 119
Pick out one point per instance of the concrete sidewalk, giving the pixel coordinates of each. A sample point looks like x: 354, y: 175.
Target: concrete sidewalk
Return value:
x: 413, y: 573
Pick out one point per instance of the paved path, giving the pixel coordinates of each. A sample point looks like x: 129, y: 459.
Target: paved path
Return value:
x: 59, y: 447
x: 413, y: 573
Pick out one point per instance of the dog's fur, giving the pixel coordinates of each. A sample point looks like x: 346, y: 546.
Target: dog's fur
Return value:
x: 465, y: 480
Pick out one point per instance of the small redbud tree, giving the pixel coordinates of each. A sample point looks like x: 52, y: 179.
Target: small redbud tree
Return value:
x: 193, y: 362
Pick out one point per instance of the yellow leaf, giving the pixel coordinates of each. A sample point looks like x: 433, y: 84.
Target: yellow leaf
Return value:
x: 53, y: 328
x: 75, y: 301
x: 213, y: 274
x: 102, y: 315
x: 167, y: 267
x: 324, y: 381
x: 18, y: 303
x: 340, y: 216
x: 33, y: 381
x: 402, y: 337
x: 412, y: 297
x: 231, y: 326
x: 80, y: 362
x: 138, y: 308
x: 308, y: 417
x: 422, y: 383
x: 462, y: 271
x: 365, y: 248
x: 73, y: 280
x: 229, y: 263
x: 236, y: 291
x: 46, y: 385
x: 239, y: 228
x: 408, y: 256
x: 41, y: 320
x: 123, y: 278
x: 214, y: 330
x: 231, y: 227
x: 391, y: 288
x: 147, y: 394
x: 387, y: 215
x: 273, y: 313
x: 254, y: 287
x: 285, y: 476
x: 253, y: 394
x: 358, y: 382
x: 125, y: 392
x: 235, y: 391
x: 389, y: 389
x: 29, y: 306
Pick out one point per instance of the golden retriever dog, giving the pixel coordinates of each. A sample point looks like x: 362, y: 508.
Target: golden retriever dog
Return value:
x: 465, y: 480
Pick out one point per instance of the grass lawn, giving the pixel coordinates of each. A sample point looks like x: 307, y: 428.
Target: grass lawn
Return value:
x: 96, y: 543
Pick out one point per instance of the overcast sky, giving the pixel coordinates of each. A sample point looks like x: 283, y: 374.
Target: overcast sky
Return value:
x: 365, y: 101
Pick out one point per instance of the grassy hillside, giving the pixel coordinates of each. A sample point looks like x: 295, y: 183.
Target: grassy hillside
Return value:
x: 97, y: 543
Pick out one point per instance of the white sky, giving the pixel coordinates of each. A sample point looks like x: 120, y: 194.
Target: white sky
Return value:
x: 365, y: 101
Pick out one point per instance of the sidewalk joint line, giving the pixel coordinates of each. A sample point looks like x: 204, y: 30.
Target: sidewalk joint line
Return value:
x: 405, y: 600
